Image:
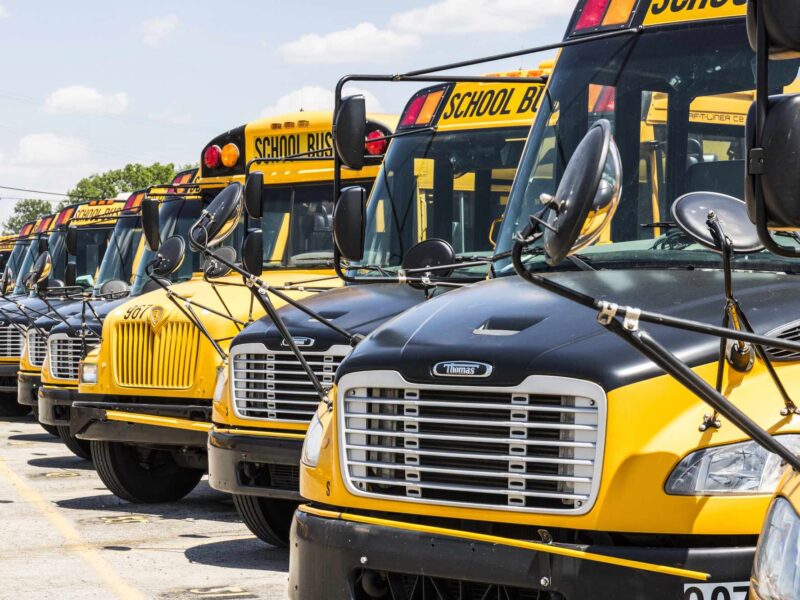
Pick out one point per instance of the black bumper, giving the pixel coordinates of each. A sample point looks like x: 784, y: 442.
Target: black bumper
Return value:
x: 55, y: 404
x: 89, y: 421
x: 28, y: 388
x: 330, y: 556
x: 8, y: 378
x: 254, y: 466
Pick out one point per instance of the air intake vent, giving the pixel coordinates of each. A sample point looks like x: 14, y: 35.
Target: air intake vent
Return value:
x: 10, y: 342
x: 37, y: 347
x: 790, y: 332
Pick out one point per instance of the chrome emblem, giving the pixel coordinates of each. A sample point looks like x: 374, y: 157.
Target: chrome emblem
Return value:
x: 156, y: 317
x: 301, y: 342
x: 462, y: 368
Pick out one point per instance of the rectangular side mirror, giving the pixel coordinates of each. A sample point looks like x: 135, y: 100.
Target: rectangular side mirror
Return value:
x: 350, y: 131
x: 253, y: 252
x: 71, y: 241
x: 44, y: 246
x: 253, y: 194
x: 349, y: 222
x: 71, y: 274
x: 150, y: 223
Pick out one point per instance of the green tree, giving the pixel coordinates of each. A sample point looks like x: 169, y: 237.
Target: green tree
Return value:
x: 116, y: 181
x: 24, y: 211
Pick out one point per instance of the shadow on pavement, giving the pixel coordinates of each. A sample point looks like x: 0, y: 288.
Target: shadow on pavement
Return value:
x: 202, y: 503
x: 62, y: 462
x: 248, y: 553
x: 36, y: 437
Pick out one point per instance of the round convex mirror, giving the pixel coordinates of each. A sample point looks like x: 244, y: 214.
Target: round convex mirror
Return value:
x: 429, y: 253
x: 692, y: 212
x: 114, y: 289
x: 215, y: 268
x: 219, y: 220
x: 170, y: 257
x: 587, y: 197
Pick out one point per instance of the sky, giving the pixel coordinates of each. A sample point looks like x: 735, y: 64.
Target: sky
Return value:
x: 91, y: 85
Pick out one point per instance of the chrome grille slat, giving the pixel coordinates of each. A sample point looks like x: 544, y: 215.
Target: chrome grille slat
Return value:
x: 534, y: 447
x: 10, y: 342
x: 272, y: 385
x: 65, y: 354
x: 37, y: 347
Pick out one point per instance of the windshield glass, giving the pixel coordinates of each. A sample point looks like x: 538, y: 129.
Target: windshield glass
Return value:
x: 18, y: 255
x: 31, y: 253
x: 451, y: 185
x: 176, y: 216
x: 122, y: 248
x: 677, y: 99
x: 297, y: 224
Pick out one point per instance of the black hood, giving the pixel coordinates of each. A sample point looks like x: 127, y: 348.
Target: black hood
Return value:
x: 358, y: 309
x: 522, y: 330
x: 101, y: 307
x: 25, y: 309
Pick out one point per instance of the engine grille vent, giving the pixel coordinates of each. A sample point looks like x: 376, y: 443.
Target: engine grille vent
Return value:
x: 10, y: 342
x: 37, y: 347
x: 66, y: 354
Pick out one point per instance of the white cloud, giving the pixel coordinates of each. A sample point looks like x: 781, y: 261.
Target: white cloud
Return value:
x: 480, y: 16
x: 171, y: 116
x: 314, y: 97
x: 80, y: 99
x: 156, y: 30
x: 364, y: 42
x: 50, y: 149
x: 4, y: 14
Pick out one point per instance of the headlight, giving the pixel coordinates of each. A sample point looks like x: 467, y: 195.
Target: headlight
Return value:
x: 776, y: 570
x: 88, y: 373
x: 743, y: 468
x: 219, y: 386
x: 312, y: 445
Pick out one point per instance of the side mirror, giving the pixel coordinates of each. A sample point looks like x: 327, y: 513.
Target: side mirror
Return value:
x: 429, y: 253
x: 150, y: 223
x: 350, y: 131
x: 215, y: 268
x: 782, y: 20
x: 253, y: 252
x: 44, y: 245
x: 71, y: 241
x: 349, y: 222
x: 115, y: 289
x: 253, y: 194
x: 41, y: 270
x: 219, y: 220
x: 71, y: 274
x: 170, y: 257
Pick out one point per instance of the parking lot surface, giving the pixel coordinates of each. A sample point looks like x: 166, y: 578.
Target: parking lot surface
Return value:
x: 64, y: 535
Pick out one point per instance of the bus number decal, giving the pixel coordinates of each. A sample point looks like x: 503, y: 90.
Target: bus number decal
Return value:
x: 716, y: 591
x: 675, y: 11
x: 135, y: 312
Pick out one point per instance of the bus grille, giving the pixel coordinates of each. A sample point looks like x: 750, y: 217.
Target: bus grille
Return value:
x: 37, y: 347
x: 166, y: 359
x: 10, y: 342
x: 272, y: 385
x: 527, y: 449
x: 66, y: 354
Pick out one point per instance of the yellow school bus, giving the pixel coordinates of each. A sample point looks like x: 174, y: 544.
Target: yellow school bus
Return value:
x: 146, y: 391
x: 449, y: 176
x: 497, y: 442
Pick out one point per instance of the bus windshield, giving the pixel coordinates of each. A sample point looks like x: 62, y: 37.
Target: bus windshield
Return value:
x: 31, y: 253
x: 677, y: 99
x: 176, y: 216
x: 18, y: 255
x: 450, y: 185
x: 122, y: 248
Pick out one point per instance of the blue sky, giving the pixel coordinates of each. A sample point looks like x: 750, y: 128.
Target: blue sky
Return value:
x: 90, y: 85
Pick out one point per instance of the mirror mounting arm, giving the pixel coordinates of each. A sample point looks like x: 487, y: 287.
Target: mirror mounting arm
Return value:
x: 60, y: 317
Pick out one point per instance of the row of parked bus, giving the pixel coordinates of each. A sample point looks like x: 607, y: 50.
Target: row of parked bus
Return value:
x: 333, y: 318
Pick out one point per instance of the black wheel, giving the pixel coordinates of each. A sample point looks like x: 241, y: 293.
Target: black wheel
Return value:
x: 9, y: 407
x: 80, y: 448
x: 51, y: 429
x: 267, y: 518
x: 142, y: 475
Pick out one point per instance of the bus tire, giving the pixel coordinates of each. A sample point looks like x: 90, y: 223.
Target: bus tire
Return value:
x: 80, y: 448
x: 142, y: 475
x: 268, y: 519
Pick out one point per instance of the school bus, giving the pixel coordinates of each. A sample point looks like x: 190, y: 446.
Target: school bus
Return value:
x: 495, y: 441
x: 20, y: 247
x: 146, y: 391
x: 56, y: 346
x: 446, y: 177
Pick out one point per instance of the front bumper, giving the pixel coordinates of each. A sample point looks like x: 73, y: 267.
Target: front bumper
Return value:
x: 55, y: 404
x: 170, y: 425
x: 8, y: 377
x: 255, y: 464
x: 28, y: 388
x: 329, y: 555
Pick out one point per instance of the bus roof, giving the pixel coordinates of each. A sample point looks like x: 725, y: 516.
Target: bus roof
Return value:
x: 592, y: 16
x: 7, y: 242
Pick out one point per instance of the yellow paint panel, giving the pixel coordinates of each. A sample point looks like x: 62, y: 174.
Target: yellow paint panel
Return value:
x: 280, y: 243
x: 662, y: 12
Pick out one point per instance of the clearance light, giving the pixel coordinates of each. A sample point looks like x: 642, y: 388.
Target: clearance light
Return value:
x: 65, y: 215
x: 378, y: 146
x: 26, y: 229
x: 230, y: 154
x: 421, y: 109
x: 592, y: 14
x: 44, y: 225
x: 212, y: 157
x: 133, y: 201
x: 412, y: 111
